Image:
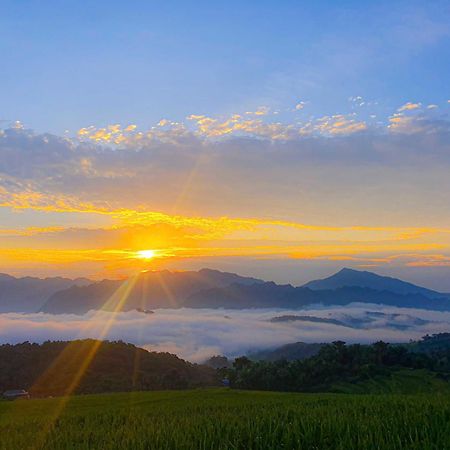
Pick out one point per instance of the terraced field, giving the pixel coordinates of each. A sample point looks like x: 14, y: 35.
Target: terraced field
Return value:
x: 228, y: 419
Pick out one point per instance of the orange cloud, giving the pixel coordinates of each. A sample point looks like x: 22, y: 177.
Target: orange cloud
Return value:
x: 336, y: 125
x: 409, y: 106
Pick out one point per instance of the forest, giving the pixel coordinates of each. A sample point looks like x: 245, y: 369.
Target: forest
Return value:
x: 338, y: 362
x: 91, y: 366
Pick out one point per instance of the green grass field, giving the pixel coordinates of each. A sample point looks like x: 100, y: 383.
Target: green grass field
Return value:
x: 228, y: 419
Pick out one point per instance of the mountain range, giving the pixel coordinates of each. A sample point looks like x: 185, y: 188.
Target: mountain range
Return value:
x: 349, y: 277
x: 28, y: 294
x: 152, y: 289
x: 209, y: 288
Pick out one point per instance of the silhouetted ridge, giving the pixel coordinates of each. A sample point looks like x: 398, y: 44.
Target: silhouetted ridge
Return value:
x: 28, y: 294
x: 271, y: 295
x: 153, y: 289
x: 209, y: 288
x: 360, y: 278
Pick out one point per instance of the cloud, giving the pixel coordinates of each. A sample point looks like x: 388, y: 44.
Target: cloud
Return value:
x: 164, y: 131
x: 214, y: 128
x: 430, y: 261
x: 174, y: 236
x: 258, y: 124
x: 236, y: 187
x: 237, y: 125
x: 417, y: 124
x: 409, y: 106
x: 198, y: 334
x: 262, y: 111
x: 336, y: 125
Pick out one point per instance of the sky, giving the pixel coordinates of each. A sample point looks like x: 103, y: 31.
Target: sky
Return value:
x: 283, y: 140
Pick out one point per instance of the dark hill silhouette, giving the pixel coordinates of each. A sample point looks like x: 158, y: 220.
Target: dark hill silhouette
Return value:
x: 52, y: 368
x: 288, y: 352
x: 211, y: 289
x: 268, y: 295
x: 28, y: 294
x: 262, y: 295
x: 350, y: 277
x: 156, y: 289
x: 312, y: 319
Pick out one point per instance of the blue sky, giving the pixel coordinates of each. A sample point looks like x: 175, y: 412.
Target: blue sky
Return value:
x: 66, y: 65
x: 280, y: 139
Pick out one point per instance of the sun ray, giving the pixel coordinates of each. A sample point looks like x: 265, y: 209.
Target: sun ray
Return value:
x: 82, y: 359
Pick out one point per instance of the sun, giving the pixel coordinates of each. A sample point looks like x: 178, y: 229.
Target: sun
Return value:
x: 146, y: 254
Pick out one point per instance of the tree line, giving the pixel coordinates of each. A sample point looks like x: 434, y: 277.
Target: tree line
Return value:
x: 335, y: 362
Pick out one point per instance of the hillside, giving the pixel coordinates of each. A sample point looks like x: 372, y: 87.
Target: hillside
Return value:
x: 89, y: 366
x: 436, y: 344
x: 338, y: 364
x: 431, y: 344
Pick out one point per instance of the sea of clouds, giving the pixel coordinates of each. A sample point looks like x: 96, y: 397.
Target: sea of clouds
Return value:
x: 196, y: 334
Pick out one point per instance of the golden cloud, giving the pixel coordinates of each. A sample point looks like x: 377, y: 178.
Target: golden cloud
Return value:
x: 409, y: 106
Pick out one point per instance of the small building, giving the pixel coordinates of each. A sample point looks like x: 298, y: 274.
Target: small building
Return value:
x: 15, y: 394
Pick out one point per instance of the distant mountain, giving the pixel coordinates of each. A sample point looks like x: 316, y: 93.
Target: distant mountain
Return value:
x: 271, y: 295
x: 149, y: 290
x: 288, y: 352
x: 312, y: 319
x: 209, y: 289
x: 261, y: 295
x: 390, y: 320
x: 350, y: 277
x: 28, y: 294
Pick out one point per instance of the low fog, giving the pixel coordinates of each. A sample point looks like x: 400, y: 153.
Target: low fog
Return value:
x: 196, y: 334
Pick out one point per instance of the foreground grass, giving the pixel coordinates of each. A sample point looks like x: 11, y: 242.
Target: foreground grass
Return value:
x: 227, y: 419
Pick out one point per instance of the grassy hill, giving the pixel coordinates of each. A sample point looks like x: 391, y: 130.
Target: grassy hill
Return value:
x: 227, y: 419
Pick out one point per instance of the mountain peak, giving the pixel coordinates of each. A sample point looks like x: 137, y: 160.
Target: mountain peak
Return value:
x: 349, y: 270
x: 347, y: 277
